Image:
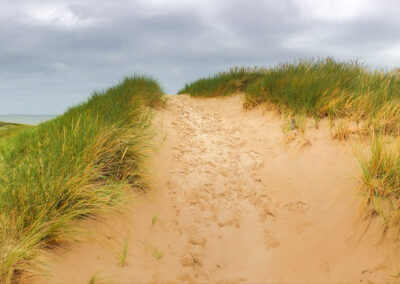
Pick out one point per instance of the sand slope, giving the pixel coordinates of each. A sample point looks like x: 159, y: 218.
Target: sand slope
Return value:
x: 237, y: 204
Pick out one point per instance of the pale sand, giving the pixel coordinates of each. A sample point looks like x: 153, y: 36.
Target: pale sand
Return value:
x: 237, y: 204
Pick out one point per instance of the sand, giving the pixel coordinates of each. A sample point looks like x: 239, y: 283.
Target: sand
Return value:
x: 235, y: 200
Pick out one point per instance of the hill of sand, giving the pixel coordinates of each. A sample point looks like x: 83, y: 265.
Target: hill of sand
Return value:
x: 233, y: 200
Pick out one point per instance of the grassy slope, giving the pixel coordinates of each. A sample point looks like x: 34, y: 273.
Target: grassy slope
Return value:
x: 71, y: 167
x: 327, y: 88
x: 9, y: 129
x: 314, y: 88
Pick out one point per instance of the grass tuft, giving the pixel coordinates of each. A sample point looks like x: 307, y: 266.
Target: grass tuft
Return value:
x: 124, y: 254
x: 96, y: 279
x: 155, y: 252
x: 381, y: 177
x: 154, y: 219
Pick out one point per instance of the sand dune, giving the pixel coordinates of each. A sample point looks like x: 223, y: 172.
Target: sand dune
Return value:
x: 233, y: 201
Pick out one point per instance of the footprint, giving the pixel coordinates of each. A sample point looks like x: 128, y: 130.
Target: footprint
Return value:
x: 192, y: 258
x: 198, y: 241
x: 298, y: 206
x: 376, y: 268
x: 228, y: 219
x: 270, y: 240
x: 252, y: 160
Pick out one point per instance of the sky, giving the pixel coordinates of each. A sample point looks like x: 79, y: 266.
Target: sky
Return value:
x: 55, y: 53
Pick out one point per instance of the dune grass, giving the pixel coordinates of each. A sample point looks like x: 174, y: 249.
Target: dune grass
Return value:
x: 381, y: 178
x: 339, y: 91
x: 124, y: 254
x: 237, y: 79
x: 315, y: 88
x: 9, y: 129
x: 71, y: 167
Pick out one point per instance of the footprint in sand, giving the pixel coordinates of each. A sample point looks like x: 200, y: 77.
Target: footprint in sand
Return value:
x: 298, y: 206
x: 252, y: 160
x: 270, y: 240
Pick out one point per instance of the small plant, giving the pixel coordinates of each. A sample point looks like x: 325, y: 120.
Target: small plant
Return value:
x: 124, y: 253
x: 295, y: 123
x: 154, y: 219
x: 97, y: 279
x: 299, y: 122
x: 158, y: 254
x: 340, y: 130
x: 155, y: 252
x: 93, y: 279
x: 288, y: 123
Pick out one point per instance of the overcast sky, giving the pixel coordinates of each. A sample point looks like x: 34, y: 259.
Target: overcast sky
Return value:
x: 53, y: 54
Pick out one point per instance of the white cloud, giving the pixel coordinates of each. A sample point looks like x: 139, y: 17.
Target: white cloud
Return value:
x: 334, y: 10
x: 55, y: 15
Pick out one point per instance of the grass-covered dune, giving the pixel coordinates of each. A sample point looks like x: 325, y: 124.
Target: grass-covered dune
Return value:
x: 9, y: 129
x: 336, y: 90
x: 316, y: 88
x: 71, y: 167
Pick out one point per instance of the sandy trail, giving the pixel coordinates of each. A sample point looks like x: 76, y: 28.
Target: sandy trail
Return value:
x: 235, y: 204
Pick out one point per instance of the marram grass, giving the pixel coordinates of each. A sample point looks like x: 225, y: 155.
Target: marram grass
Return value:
x: 71, y: 167
x: 381, y: 178
x: 315, y: 88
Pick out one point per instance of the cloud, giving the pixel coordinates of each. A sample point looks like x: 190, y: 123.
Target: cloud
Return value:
x: 55, y: 53
x: 334, y: 10
x: 55, y: 15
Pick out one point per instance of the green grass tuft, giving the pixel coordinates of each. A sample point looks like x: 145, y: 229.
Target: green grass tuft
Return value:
x: 381, y: 177
x: 124, y: 254
x: 95, y: 279
x: 154, y: 219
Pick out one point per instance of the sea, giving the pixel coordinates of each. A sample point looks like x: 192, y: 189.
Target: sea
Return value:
x: 31, y: 119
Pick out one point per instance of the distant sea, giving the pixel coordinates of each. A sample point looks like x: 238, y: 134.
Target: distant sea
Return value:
x: 31, y: 119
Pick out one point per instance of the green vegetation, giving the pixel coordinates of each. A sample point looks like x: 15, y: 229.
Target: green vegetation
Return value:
x: 340, y: 91
x: 381, y: 177
x: 98, y: 279
x: 315, y: 88
x: 124, y: 254
x: 158, y: 254
x: 71, y: 167
x: 155, y: 252
x: 237, y: 79
x: 9, y: 129
x: 154, y: 219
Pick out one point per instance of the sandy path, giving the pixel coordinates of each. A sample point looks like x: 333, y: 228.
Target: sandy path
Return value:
x: 236, y: 204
